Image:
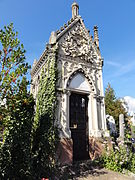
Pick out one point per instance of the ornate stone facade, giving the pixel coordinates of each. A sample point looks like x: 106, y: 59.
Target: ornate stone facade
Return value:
x: 79, y: 65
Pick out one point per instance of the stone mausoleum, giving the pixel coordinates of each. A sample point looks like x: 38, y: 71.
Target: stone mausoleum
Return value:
x: 81, y: 108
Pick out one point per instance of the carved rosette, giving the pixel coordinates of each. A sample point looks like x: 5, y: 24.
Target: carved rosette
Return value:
x: 77, y: 44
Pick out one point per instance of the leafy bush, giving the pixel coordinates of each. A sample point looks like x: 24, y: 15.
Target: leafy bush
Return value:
x: 119, y: 158
x: 15, y: 153
x: 132, y: 163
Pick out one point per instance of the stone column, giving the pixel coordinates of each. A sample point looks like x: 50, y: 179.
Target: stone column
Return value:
x: 90, y: 115
x: 99, y: 114
x: 121, y: 126
x: 65, y: 115
x: 95, y: 118
x: 104, y: 125
x: 68, y: 93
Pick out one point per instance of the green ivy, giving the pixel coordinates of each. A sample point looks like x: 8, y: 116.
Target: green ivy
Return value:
x: 45, y: 132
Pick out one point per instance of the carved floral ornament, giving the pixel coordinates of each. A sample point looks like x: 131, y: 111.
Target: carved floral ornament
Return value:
x: 76, y: 44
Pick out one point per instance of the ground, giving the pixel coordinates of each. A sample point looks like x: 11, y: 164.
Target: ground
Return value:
x: 104, y: 174
x: 87, y: 170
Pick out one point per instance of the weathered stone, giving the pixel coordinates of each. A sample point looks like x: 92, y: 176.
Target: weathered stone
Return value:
x: 65, y: 151
x: 97, y: 146
x: 75, y: 10
x: 52, y: 39
x: 121, y: 126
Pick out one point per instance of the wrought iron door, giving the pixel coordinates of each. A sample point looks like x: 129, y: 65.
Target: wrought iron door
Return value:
x: 79, y: 125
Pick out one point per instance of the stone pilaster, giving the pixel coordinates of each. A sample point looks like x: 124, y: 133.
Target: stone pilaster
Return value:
x: 90, y: 123
x: 65, y: 115
x: 95, y: 131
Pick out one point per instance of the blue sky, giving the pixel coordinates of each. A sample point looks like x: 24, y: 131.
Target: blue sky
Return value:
x: 35, y: 19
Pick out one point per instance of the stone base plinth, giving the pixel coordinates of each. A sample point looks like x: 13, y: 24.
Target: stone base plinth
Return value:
x: 97, y: 146
x: 65, y: 151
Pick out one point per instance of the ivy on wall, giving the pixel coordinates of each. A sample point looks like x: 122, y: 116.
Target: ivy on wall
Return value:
x: 45, y: 131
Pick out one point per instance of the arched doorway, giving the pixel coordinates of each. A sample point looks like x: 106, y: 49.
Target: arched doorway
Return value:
x: 78, y: 116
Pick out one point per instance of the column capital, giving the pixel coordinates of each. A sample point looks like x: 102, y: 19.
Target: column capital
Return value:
x: 67, y: 92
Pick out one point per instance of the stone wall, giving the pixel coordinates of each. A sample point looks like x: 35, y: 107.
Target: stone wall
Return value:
x: 65, y: 151
x: 96, y: 149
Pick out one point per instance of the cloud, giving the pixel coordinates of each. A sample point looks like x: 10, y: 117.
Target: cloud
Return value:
x: 112, y: 63
x: 131, y: 103
x: 126, y: 68
x: 121, y: 69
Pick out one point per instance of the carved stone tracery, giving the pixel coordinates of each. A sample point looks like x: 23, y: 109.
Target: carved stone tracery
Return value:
x: 81, y: 71
x: 77, y: 44
x: 71, y: 68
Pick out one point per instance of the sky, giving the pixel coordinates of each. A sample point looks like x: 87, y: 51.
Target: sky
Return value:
x: 35, y: 19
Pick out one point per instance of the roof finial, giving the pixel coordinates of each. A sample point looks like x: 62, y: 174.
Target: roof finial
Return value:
x: 96, y: 39
x: 75, y: 9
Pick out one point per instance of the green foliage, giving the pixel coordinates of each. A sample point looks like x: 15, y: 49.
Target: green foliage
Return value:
x: 16, y: 113
x: 47, y: 91
x: 12, y: 67
x: 12, y: 61
x: 119, y: 158
x: 45, y: 130
x: 15, y: 154
x: 27, y: 150
x: 132, y: 164
x: 113, y: 106
x: 133, y: 131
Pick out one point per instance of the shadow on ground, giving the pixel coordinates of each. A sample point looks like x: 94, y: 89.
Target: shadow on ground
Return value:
x: 79, y: 169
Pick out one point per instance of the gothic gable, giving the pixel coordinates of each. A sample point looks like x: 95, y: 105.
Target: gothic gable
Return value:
x: 77, y: 43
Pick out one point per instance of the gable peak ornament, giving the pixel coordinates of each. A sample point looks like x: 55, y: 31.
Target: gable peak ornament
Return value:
x: 75, y: 10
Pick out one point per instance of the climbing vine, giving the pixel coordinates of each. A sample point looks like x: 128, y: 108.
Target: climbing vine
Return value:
x: 45, y: 130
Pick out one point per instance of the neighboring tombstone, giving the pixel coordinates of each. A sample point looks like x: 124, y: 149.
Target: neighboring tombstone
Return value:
x: 111, y: 125
x: 121, y: 126
x: 132, y: 114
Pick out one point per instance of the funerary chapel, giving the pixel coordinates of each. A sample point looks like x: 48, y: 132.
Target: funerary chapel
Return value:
x: 80, y: 107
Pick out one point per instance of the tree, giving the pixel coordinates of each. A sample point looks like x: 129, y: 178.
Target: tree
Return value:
x: 114, y: 106
x: 110, y: 99
x: 17, y: 111
x: 15, y: 154
x: 12, y: 68
x: 12, y: 61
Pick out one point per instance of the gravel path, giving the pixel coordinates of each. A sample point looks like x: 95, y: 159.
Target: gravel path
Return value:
x: 86, y: 170
x: 104, y: 174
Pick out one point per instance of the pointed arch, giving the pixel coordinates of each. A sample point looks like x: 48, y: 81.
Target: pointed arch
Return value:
x: 80, y: 72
